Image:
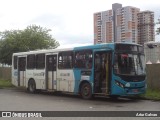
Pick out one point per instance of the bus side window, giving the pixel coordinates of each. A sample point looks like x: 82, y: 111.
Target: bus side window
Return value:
x: 83, y: 59
x: 89, y: 64
x: 40, y: 61
x: 65, y: 60
x: 78, y: 60
x: 15, y: 62
x: 60, y: 62
x: 31, y: 61
x: 22, y: 64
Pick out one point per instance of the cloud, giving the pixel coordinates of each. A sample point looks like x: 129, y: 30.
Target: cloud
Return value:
x: 49, y: 20
x: 71, y: 21
x: 65, y: 31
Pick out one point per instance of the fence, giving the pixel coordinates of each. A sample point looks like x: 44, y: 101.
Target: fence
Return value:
x: 5, y: 73
x: 152, y: 70
x: 153, y: 75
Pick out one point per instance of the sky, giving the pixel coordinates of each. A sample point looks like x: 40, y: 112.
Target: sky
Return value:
x: 71, y: 21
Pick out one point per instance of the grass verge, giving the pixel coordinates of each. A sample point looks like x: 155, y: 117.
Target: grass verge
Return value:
x: 152, y: 94
x: 5, y: 83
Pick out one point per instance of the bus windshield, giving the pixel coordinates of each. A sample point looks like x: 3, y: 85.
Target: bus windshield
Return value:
x: 129, y: 64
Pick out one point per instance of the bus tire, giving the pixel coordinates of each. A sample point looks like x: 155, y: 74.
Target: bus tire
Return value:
x: 114, y: 97
x: 86, y: 91
x: 31, y: 86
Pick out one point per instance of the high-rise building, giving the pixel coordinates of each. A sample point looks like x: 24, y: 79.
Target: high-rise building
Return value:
x: 98, y: 28
x: 120, y: 24
x: 116, y: 19
x: 126, y: 26
x: 146, y: 27
x: 103, y: 20
x: 104, y: 25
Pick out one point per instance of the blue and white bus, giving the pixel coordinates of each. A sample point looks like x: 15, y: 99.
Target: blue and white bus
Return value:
x: 114, y: 69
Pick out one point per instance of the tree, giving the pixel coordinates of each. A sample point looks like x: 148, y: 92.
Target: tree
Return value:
x: 32, y: 38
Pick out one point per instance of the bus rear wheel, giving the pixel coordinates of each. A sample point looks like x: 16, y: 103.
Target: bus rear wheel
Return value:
x: 32, y: 86
x: 86, y: 91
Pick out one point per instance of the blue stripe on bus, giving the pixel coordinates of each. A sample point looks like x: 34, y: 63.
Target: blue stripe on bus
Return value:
x: 77, y: 78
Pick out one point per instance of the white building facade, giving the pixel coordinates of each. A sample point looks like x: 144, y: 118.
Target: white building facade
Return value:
x: 152, y: 52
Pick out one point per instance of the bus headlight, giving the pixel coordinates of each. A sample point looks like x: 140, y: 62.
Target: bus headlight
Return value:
x: 119, y: 84
x: 128, y: 85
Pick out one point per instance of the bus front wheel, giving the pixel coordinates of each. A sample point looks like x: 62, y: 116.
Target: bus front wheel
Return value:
x: 32, y: 86
x: 114, y: 97
x: 86, y: 91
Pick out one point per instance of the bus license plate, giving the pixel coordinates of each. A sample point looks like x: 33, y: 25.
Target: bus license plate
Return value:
x: 135, y: 90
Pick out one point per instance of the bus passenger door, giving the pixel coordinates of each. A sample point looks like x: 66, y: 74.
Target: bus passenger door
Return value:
x: 51, y: 71
x: 22, y: 71
x: 102, y: 71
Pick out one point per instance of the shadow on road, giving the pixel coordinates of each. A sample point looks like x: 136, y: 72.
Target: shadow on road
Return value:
x: 95, y: 98
x: 62, y: 95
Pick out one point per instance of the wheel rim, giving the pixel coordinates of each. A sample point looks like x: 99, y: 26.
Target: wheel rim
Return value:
x: 86, y: 91
x: 31, y: 87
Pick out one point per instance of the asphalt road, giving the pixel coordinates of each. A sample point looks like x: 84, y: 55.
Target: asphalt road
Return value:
x: 19, y: 100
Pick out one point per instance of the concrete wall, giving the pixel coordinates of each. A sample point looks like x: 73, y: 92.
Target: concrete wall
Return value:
x: 5, y: 73
x: 153, y: 76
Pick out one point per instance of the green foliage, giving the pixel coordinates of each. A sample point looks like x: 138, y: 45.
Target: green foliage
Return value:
x: 152, y: 94
x: 32, y: 38
x: 5, y: 83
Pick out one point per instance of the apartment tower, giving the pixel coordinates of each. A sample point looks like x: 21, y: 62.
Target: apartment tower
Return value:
x: 104, y: 25
x: 123, y: 24
x: 126, y: 24
x: 146, y: 27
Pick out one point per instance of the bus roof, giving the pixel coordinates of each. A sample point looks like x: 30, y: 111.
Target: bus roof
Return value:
x: 42, y: 51
x: 102, y: 45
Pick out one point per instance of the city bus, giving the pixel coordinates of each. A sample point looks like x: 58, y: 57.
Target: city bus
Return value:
x: 111, y: 69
